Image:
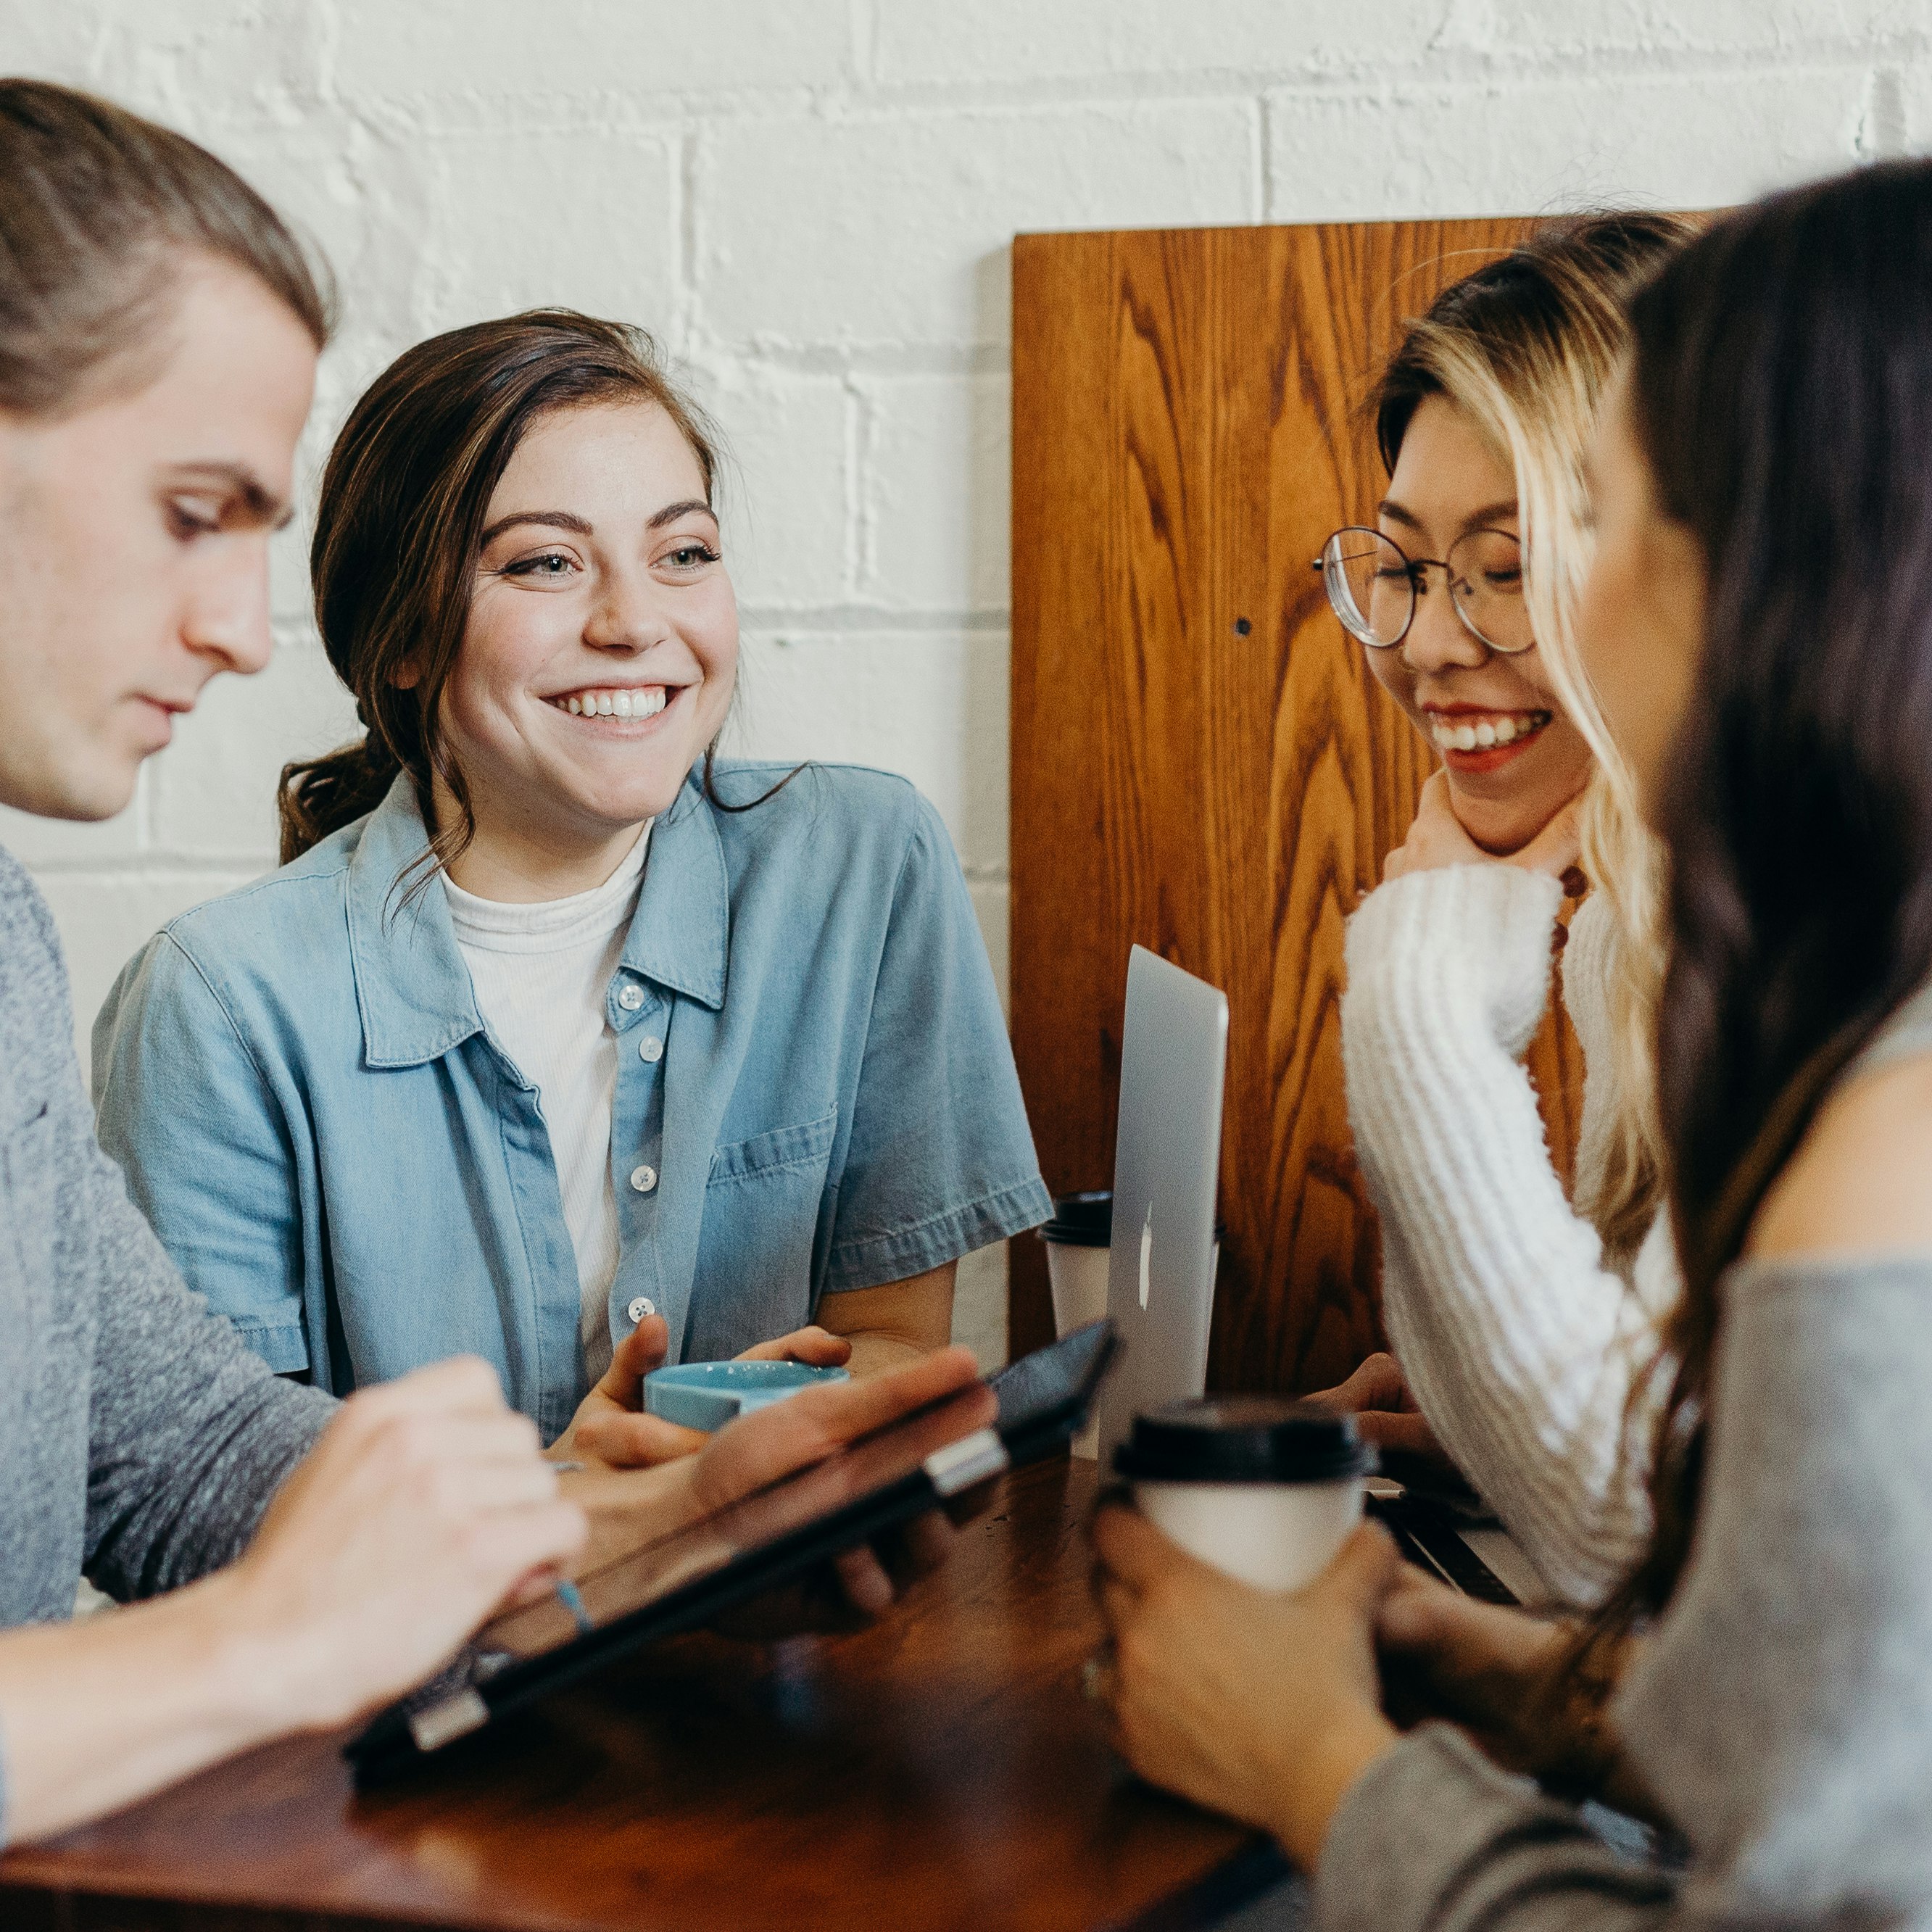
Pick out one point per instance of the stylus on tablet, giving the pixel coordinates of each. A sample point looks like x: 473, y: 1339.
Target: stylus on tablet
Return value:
x: 675, y: 1583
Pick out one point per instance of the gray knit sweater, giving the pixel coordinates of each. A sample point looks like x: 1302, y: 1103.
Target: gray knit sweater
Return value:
x: 1781, y: 1712
x: 139, y: 1441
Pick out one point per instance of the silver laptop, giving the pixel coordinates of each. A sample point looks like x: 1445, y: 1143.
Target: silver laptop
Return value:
x: 1167, y: 1167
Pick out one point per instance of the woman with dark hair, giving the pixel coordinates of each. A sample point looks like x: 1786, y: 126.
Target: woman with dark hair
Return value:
x: 559, y: 1038
x: 1758, y: 626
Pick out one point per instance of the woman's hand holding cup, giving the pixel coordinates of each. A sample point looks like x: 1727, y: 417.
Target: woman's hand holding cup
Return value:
x: 818, y: 1348
x: 611, y: 1427
x: 1261, y: 1704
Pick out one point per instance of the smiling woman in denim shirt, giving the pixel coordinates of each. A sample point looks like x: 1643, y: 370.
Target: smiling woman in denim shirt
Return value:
x: 553, y: 1023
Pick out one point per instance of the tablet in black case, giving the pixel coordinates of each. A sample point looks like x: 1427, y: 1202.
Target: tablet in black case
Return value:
x: 766, y: 1539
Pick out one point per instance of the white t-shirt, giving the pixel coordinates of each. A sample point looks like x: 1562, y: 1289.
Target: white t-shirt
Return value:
x: 542, y: 974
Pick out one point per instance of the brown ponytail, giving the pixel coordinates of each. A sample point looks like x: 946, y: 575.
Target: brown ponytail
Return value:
x: 98, y: 209
x: 399, y: 526
x: 319, y: 795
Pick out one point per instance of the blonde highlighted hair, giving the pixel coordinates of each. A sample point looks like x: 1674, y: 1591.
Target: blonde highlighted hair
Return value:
x: 1524, y: 348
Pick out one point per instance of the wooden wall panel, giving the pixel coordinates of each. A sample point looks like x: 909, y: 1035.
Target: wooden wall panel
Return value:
x: 1201, y: 760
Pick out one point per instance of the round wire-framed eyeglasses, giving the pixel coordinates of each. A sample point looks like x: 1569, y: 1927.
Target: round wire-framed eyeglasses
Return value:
x: 1373, y: 586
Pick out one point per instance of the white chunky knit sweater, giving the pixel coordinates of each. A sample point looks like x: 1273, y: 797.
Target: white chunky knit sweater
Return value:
x: 1519, y: 1338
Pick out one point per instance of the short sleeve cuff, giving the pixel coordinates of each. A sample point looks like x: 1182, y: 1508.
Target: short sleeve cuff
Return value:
x: 874, y: 1259
x: 284, y: 1346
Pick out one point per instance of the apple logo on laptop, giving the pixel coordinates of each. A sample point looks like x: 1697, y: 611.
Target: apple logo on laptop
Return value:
x: 1146, y: 1253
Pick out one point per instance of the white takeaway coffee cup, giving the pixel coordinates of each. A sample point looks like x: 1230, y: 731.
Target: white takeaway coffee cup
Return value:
x: 1076, y: 1241
x: 1263, y: 1488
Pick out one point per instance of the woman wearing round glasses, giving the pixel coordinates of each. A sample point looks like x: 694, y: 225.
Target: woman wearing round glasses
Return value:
x: 1510, y: 1308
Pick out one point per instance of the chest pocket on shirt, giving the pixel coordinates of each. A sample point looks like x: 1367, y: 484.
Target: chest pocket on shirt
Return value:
x: 762, y: 1205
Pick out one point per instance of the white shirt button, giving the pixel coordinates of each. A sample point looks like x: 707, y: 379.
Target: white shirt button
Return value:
x: 630, y: 998
x: 643, y: 1179
x: 641, y: 1305
x: 650, y: 1048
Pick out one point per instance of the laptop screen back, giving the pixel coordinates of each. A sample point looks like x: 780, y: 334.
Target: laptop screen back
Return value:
x: 1167, y: 1166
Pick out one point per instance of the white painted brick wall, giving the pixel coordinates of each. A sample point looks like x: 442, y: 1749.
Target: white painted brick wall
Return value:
x: 811, y: 201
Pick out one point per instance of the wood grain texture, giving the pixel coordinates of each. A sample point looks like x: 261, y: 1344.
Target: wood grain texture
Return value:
x: 939, y: 1773
x: 1202, y: 762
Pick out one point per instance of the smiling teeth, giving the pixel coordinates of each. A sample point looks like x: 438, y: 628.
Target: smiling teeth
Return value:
x: 1503, y: 728
x: 615, y: 703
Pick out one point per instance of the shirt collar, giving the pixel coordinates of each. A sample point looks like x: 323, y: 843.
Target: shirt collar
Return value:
x: 681, y: 935
x: 411, y: 982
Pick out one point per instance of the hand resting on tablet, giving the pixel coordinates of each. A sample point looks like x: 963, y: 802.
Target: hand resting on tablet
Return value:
x: 627, y: 1507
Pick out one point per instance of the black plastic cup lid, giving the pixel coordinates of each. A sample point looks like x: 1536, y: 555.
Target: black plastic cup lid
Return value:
x: 1081, y: 1220
x: 1086, y: 1220
x: 1244, y: 1438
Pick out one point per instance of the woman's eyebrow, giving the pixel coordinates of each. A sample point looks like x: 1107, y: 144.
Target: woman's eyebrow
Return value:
x: 559, y: 520
x: 671, y: 512
x: 1504, y: 507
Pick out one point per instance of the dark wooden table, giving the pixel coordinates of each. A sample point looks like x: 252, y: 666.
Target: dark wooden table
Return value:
x: 939, y: 1771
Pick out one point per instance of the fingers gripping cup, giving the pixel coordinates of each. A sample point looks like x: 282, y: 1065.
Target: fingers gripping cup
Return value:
x: 707, y: 1395
x: 1264, y: 1489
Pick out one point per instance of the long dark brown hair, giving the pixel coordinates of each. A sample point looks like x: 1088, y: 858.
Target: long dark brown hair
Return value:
x: 99, y: 209
x: 399, y: 526
x: 1781, y: 391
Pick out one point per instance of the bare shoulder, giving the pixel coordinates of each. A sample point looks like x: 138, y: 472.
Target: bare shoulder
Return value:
x: 1861, y: 1182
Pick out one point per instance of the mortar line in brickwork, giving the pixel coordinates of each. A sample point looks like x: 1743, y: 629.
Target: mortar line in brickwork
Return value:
x: 144, y: 809
x: 685, y: 242
x: 853, y: 427
x: 862, y: 560
x: 801, y: 619
x: 865, y: 358
x: 1260, y: 182
x: 1882, y: 129
x: 212, y: 873
x: 876, y: 98
x: 863, y: 21
x: 1429, y: 67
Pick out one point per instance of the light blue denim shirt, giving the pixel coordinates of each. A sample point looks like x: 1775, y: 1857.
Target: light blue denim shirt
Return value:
x: 314, y: 1117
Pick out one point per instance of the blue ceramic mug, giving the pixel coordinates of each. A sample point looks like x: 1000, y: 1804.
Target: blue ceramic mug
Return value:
x: 707, y: 1395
